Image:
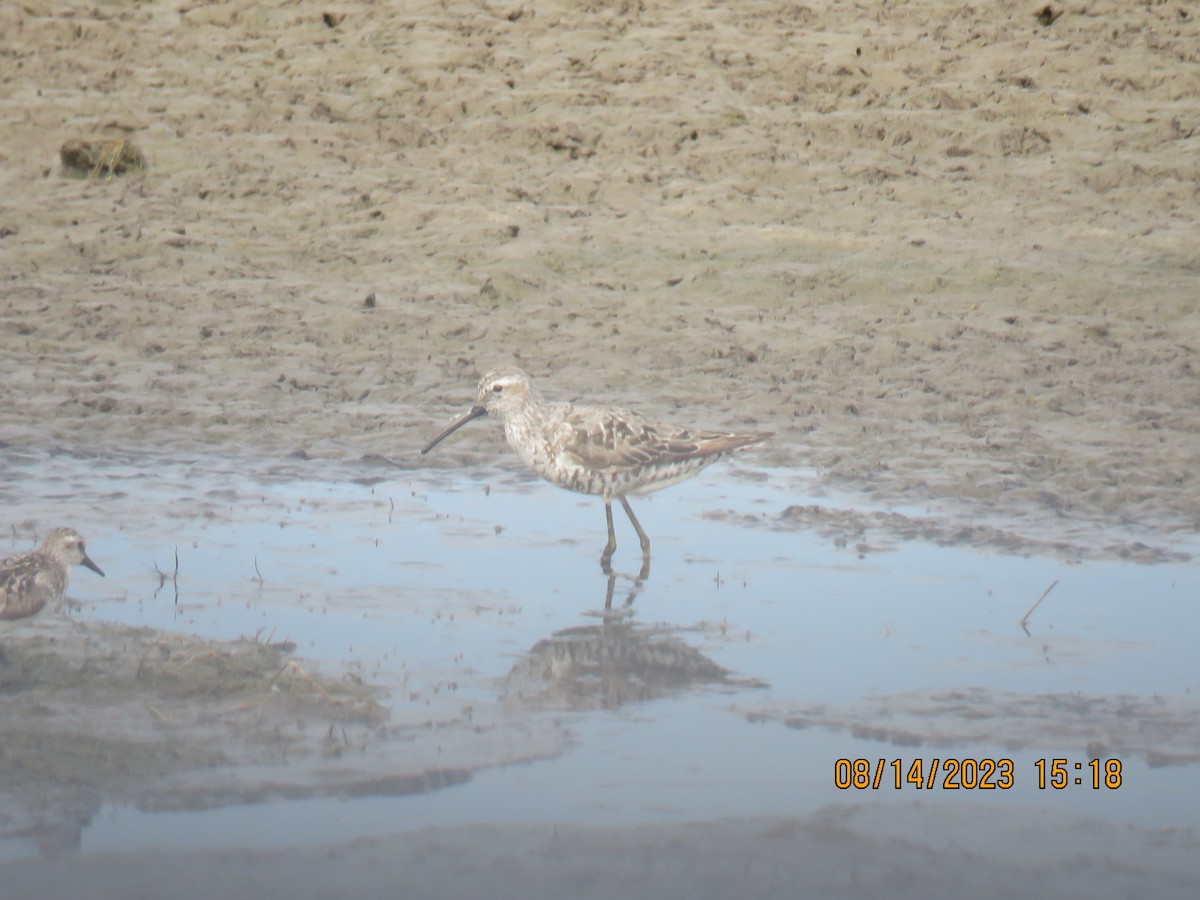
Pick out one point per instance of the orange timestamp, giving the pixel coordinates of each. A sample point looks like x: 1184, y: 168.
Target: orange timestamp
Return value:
x: 971, y: 774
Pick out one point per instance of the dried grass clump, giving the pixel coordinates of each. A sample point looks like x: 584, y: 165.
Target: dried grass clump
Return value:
x: 106, y: 159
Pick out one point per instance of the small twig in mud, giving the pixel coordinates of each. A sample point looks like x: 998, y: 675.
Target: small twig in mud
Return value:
x: 162, y: 578
x: 296, y: 667
x: 1037, y: 603
x: 257, y: 572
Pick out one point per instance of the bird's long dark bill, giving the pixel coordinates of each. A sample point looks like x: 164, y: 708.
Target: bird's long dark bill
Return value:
x: 87, y: 561
x: 473, y: 413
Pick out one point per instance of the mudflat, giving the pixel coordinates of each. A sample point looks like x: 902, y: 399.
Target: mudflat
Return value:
x: 942, y: 251
x: 949, y: 254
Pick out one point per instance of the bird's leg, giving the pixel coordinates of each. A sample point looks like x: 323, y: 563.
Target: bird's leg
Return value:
x: 611, y: 546
x: 608, y: 590
x: 642, y: 575
x: 637, y: 526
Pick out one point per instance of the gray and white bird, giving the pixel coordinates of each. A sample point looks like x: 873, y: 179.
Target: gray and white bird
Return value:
x: 29, y: 582
x: 601, y: 450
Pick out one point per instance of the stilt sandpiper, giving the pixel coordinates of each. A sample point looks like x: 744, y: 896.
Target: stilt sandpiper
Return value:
x: 597, y: 450
x: 31, y: 581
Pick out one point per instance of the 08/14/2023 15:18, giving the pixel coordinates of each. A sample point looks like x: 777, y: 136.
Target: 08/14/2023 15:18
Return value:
x: 971, y: 774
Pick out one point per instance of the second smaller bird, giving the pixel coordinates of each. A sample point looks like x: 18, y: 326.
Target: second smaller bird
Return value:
x: 29, y: 582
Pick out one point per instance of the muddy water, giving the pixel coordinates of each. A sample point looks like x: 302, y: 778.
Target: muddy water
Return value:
x: 777, y: 633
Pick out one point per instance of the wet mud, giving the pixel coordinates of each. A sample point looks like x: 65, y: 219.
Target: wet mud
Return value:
x: 947, y: 253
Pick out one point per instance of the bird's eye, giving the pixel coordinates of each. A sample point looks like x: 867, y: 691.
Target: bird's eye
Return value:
x: 497, y: 388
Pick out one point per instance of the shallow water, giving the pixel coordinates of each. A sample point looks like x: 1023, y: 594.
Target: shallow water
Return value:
x: 437, y: 585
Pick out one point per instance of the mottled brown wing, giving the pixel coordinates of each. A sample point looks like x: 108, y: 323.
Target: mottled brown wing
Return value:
x: 21, y: 595
x: 602, y: 439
